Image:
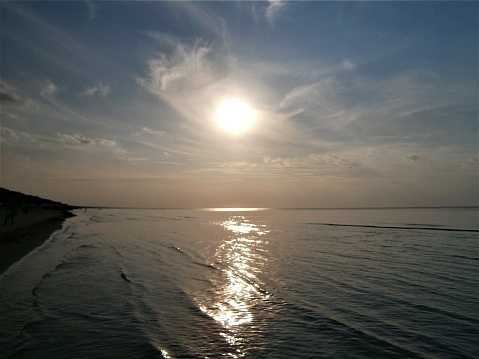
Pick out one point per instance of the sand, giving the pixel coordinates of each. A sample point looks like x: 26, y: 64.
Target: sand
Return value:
x: 29, y: 230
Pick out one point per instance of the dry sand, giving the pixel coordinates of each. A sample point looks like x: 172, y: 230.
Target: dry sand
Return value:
x: 29, y: 230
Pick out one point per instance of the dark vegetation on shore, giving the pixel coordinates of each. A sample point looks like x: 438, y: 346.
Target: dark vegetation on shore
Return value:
x: 6, y: 196
x: 28, y: 221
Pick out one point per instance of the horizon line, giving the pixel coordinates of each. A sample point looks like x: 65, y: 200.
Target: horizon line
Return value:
x: 239, y: 209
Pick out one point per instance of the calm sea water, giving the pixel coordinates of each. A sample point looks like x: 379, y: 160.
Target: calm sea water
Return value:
x: 253, y: 284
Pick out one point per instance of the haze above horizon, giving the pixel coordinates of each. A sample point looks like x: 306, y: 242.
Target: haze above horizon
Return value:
x: 241, y: 104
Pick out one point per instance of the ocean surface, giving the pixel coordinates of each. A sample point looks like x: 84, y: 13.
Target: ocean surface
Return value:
x: 124, y: 283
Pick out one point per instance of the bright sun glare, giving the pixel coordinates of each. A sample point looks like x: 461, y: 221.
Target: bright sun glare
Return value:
x: 234, y: 115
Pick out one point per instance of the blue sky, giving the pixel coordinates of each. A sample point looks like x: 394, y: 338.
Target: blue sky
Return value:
x: 358, y: 104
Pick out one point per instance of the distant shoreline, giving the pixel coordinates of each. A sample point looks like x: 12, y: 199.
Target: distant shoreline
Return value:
x: 273, y: 208
x: 29, y: 231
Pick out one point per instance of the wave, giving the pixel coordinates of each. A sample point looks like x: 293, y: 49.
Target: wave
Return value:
x: 465, y: 257
x: 429, y: 228
x: 332, y: 328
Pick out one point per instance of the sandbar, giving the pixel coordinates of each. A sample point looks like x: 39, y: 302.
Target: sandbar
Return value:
x: 28, y: 231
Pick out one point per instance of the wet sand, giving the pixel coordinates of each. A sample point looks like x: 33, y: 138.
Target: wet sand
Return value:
x: 29, y: 230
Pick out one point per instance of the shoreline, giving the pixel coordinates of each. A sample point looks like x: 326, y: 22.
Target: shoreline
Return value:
x: 29, y: 231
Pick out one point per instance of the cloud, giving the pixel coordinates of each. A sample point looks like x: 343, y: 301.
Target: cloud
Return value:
x: 412, y: 158
x: 76, y: 138
x: 186, y: 67
x: 148, y: 131
x: 79, y: 139
x: 355, y: 107
x: 335, y: 105
x: 301, y: 96
x: 472, y: 163
x: 8, y: 96
x: 105, y: 142
x: 131, y: 159
x: 348, y: 65
x: 280, y: 161
x: 199, y: 14
x: 274, y: 8
x: 240, y: 165
x: 335, y: 159
x: 165, y: 40
x: 9, y: 116
x: 49, y: 89
x: 99, y: 90
x: 15, y: 141
x: 63, y: 46
x: 319, y: 105
x: 9, y: 136
x: 92, y: 10
x: 190, y: 78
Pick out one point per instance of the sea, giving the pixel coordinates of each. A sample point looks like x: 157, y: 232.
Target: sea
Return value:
x: 248, y: 283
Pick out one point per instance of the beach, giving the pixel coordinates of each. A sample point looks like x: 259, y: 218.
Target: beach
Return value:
x: 28, y: 231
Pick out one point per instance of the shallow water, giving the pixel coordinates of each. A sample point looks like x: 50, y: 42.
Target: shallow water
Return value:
x: 256, y: 284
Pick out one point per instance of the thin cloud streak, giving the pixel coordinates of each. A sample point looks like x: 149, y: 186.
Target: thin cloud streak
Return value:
x: 274, y: 9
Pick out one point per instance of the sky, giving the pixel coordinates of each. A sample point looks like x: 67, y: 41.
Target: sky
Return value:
x: 352, y: 104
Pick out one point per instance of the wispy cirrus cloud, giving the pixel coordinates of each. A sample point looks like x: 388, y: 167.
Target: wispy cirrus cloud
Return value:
x: 412, y: 157
x: 281, y: 161
x: 62, y: 45
x: 274, y: 9
x: 9, y: 136
x: 188, y: 77
x: 471, y: 163
x: 347, y: 64
x: 81, y: 140
x: 132, y: 159
x: 98, y: 90
x: 148, y: 131
x: 336, y: 103
x: 9, y: 96
x: 49, y: 89
x: 332, y: 110
x: 184, y: 68
x: 193, y: 77
x: 357, y: 107
x: 196, y: 13
x: 92, y: 10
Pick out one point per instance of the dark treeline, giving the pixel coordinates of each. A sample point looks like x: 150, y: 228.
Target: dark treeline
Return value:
x: 20, y: 198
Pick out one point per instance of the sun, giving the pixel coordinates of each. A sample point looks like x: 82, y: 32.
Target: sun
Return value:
x: 235, y: 116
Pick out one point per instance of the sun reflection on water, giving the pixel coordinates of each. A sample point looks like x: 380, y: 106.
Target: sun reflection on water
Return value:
x: 237, y: 289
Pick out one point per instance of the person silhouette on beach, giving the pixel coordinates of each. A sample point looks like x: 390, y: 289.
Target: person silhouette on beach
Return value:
x: 11, y: 212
